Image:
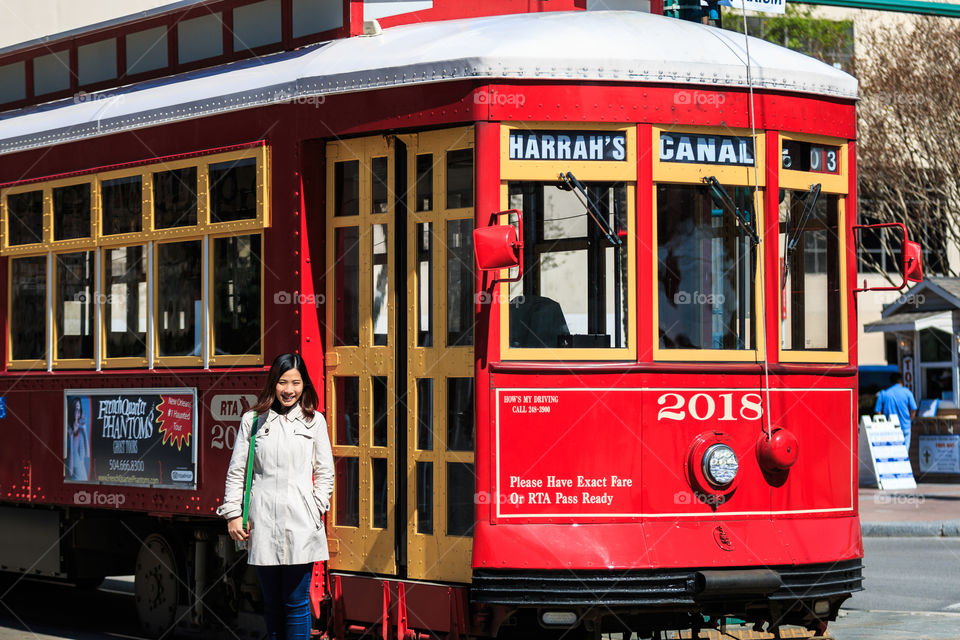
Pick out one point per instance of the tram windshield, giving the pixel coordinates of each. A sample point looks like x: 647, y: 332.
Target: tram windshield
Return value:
x: 707, y: 261
x: 573, y: 293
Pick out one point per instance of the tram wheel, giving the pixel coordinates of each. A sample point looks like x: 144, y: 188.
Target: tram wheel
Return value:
x: 156, y: 585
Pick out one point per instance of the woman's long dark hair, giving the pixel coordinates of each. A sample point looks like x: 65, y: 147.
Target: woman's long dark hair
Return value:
x: 268, y: 395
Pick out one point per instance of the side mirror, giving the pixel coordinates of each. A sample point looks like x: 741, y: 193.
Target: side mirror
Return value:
x: 498, y: 247
x: 912, y: 257
x: 912, y: 261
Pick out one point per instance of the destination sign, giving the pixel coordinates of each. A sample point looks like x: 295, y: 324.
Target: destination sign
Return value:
x: 590, y: 146
x: 692, y: 148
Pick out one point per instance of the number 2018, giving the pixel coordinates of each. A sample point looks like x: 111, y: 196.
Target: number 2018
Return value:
x: 703, y: 406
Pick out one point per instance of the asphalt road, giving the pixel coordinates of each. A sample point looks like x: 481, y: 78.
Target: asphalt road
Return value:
x: 912, y: 591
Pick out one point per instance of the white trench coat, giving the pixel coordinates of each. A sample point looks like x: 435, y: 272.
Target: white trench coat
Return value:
x: 292, y: 484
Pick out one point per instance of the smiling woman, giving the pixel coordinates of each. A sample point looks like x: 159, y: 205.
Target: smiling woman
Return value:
x: 285, y: 529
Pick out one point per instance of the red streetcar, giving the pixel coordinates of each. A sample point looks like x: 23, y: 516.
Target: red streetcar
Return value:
x: 637, y: 414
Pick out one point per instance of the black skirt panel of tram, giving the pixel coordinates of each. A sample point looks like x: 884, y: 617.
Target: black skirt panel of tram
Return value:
x: 671, y: 588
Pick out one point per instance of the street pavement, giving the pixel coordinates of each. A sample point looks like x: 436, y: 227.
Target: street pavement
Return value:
x: 930, y: 510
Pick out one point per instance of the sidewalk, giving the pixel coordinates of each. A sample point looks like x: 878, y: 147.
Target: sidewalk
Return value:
x: 928, y: 510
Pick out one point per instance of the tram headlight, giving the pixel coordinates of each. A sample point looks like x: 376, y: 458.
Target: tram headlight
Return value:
x: 720, y: 465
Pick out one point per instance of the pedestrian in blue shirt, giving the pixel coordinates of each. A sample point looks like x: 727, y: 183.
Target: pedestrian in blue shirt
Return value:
x: 897, y: 400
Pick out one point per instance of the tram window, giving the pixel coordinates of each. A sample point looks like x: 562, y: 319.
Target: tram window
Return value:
x: 346, y: 287
x: 347, y: 427
x: 459, y: 283
x: 125, y: 306
x: 74, y: 306
x: 236, y: 295
x: 346, y: 188
x: 460, y: 490
x: 460, y: 414
x: 379, y: 411
x: 378, y: 200
x: 233, y: 190
x: 71, y: 212
x: 574, y: 289
x: 380, y: 313
x: 425, y: 182
x: 175, y: 198
x: 706, y: 270
x: 425, y: 497
x: 459, y: 178
x: 810, y: 274
x: 348, y: 492
x: 28, y: 317
x: 425, y: 414
x: 379, y: 489
x: 424, y: 242
x: 179, y: 307
x: 25, y: 218
x: 122, y: 205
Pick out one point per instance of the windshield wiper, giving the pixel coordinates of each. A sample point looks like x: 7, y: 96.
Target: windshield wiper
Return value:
x: 722, y: 198
x: 792, y: 237
x: 568, y: 182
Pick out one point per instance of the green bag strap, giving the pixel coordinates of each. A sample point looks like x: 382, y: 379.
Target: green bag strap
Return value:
x: 249, y: 482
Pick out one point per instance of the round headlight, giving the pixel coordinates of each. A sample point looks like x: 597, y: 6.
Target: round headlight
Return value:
x: 720, y: 465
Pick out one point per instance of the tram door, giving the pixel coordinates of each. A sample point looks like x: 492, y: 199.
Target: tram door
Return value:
x: 400, y: 353
x: 439, y: 364
x: 361, y: 343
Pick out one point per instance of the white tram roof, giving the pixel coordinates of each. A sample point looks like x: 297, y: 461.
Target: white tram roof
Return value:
x: 618, y: 46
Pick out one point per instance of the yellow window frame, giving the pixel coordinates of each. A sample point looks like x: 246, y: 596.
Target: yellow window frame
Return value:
x: 29, y: 364
x: 175, y: 361
x: 830, y: 184
x: 56, y: 360
x: 693, y: 174
x: 204, y: 231
x: 47, y: 220
x: 586, y: 171
x: 128, y: 362
x: 229, y: 359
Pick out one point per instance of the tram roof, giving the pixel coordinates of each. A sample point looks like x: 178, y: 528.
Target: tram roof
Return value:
x: 616, y: 46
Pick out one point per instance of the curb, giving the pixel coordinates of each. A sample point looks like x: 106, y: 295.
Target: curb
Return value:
x: 933, y: 529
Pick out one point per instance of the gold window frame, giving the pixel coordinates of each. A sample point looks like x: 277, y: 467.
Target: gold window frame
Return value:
x: 121, y: 362
x: 693, y: 174
x: 230, y: 359
x: 148, y: 237
x: 29, y: 364
x: 70, y: 363
x: 176, y: 361
x: 47, y: 231
x: 586, y: 171
x: 830, y: 184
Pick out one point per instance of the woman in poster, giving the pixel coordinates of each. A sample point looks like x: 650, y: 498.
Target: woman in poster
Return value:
x: 78, y: 442
x: 291, y: 488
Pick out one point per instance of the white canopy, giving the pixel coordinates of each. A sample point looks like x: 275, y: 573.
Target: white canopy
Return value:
x: 620, y: 46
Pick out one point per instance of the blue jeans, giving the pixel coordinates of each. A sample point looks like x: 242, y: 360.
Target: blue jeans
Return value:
x: 286, y: 600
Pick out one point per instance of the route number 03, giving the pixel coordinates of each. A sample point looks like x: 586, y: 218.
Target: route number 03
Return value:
x: 703, y: 406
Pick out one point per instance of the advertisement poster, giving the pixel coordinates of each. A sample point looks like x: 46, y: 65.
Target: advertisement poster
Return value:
x: 131, y: 437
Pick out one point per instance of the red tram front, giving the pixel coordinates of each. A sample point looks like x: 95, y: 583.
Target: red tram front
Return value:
x: 647, y: 424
